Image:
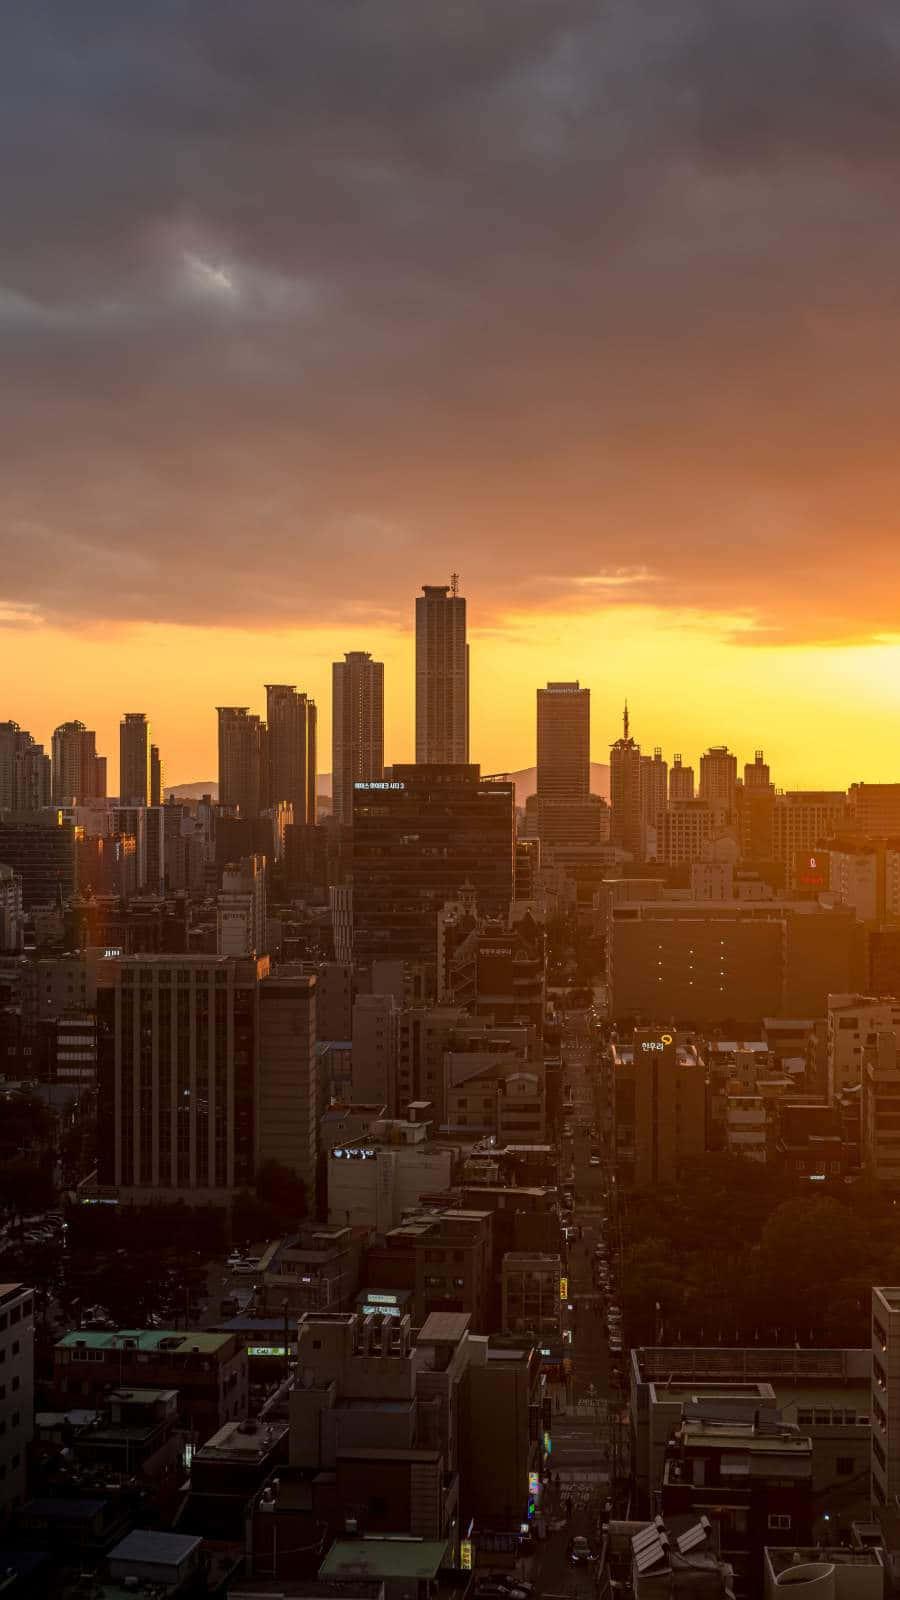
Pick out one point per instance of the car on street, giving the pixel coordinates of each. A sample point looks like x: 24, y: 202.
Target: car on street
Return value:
x: 496, y: 1588
x: 579, y: 1551
x: 594, y: 1161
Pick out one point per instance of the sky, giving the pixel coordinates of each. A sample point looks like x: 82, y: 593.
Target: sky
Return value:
x: 305, y: 303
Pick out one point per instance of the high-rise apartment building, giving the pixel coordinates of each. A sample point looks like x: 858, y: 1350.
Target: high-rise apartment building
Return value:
x: 803, y: 819
x: 41, y: 850
x: 292, y: 733
x: 134, y: 759
x: 201, y: 1075
x: 243, y: 754
x: 79, y: 774
x: 419, y: 838
x: 654, y: 790
x: 626, y: 825
x: 681, y: 780
x: 755, y: 800
x: 875, y: 809
x: 659, y: 1107
x: 718, y: 776
x: 442, y: 676
x: 157, y: 786
x: 357, y: 728
x: 24, y: 770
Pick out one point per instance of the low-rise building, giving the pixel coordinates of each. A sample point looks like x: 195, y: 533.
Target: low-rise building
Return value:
x: 753, y: 1476
x: 209, y: 1371
x: 315, y: 1269
x: 531, y: 1293
x: 444, y: 1256
x: 372, y: 1181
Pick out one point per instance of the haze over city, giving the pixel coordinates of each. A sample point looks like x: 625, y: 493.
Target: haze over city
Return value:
x: 594, y: 307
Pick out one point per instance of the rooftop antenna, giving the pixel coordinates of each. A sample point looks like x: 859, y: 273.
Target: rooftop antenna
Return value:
x: 454, y: 584
x: 625, y: 719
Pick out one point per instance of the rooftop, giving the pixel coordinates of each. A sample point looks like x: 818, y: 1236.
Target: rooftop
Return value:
x: 383, y: 1558
x: 444, y: 1327
x: 146, y: 1544
x: 162, y: 1340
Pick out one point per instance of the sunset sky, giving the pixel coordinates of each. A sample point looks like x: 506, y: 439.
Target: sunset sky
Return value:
x: 305, y: 303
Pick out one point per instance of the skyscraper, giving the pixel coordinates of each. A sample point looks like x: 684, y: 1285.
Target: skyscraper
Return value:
x: 564, y: 811
x: 654, y: 790
x: 157, y: 777
x: 134, y: 759
x: 420, y: 838
x: 242, y: 756
x: 79, y: 774
x: 24, y: 770
x: 357, y: 728
x: 626, y: 819
x: 442, y: 676
x: 292, y: 722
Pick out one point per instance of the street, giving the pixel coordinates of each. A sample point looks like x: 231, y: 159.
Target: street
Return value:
x: 581, y: 1432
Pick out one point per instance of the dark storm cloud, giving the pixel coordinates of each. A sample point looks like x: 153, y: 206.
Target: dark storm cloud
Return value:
x: 302, y: 304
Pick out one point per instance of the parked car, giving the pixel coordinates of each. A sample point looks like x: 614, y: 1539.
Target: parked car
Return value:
x: 595, y: 1161
x: 579, y: 1552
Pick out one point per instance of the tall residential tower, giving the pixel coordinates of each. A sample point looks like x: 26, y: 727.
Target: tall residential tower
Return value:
x: 134, y: 759
x: 79, y: 774
x: 292, y: 721
x: 442, y: 676
x: 357, y: 728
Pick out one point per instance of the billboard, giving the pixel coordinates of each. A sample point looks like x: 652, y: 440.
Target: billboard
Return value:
x: 811, y: 870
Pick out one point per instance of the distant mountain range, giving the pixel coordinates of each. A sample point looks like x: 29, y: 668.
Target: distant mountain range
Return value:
x: 525, y: 781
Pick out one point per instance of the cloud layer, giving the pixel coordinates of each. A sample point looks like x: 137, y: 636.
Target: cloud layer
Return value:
x: 306, y: 302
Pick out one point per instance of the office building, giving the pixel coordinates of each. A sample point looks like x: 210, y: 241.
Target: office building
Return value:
x: 626, y: 823
x: 134, y: 759
x: 286, y: 1089
x: 17, y: 1383
x: 79, y: 774
x: 419, y: 838
x: 157, y: 777
x: 442, y: 677
x: 691, y: 961
x: 681, y: 780
x: 241, y: 909
x: 292, y: 721
x: 659, y: 1108
x: 857, y: 878
x: 243, y: 759
x: 854, y: 1023
x: 501, y: 1447
x: 178, y: 1070
x: 41, y: 851
x: 357, y: 728
x: 443, y: 1258
x: 24, y: 770
x: 565, y: 813
x: 718, y: 777
x: 375, y: 1049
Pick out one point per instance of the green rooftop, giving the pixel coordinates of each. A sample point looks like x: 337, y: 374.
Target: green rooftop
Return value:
x: 383, y: 1558
x: 162, y: 1340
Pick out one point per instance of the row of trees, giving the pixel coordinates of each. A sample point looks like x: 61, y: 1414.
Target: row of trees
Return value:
x: 736, y: 1254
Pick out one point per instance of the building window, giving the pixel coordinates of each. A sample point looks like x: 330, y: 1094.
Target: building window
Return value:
x: 779, y: 1521
x: 15, y: 1348
x: 845, y: 1466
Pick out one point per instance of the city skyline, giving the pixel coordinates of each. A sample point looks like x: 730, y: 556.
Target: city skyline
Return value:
x: 255, y: 382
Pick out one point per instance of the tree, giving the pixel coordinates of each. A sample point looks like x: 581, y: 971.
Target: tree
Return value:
x: 282, y: 1191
